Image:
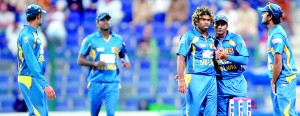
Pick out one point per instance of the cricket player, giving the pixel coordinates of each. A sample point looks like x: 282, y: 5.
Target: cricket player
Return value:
x: 31, y: 65
x: 281, y: 63
x: 231, y: 57
x: 105, y: 48
x: 195, y: 58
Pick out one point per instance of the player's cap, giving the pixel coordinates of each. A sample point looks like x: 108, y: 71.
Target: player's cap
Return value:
x: 102, y: 16
x: 34, y: 9
x: 272, y: 8
x: 221, y: 17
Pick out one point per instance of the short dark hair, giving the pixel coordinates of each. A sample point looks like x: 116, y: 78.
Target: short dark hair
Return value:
x: 31, y: 17
x: 275, y: 19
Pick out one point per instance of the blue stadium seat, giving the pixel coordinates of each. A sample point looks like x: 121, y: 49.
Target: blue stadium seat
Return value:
x: 5, y: 53
x: 4, y: 80
x: 127, y: 77
x: 61, y: 104
x: 89, y: 22
x: 163, y: 74
x: 73, y: 21
x: 144, y: 63
x: 132, y: 104
x: 170, y: 100
x: 164, y: 63
x: 144, y: 90
x: 144, y: 76
x: 162, y: 89
x: 7, y: 104
x: 159, y: 17
x: 3, y: 41
x: 127, y: 9
x: 73, y: 90
x: 80, y: 104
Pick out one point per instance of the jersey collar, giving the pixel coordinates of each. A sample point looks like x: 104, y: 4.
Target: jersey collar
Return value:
x: 30, y: 28
x: 99, y: 35
x: 271, y: 30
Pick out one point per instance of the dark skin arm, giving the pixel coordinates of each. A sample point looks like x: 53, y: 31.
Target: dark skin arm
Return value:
x: 81, y: 60
x: 277, y: 68
x: 180, y: 75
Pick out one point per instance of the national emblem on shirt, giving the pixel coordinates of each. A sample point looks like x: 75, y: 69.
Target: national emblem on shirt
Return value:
x: 229, y: 51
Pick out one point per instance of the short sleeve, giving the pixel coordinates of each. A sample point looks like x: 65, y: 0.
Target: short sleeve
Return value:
x: 184, y: 45
x: 277, y: 43
x: 241, y: 47
x: 85, y: 47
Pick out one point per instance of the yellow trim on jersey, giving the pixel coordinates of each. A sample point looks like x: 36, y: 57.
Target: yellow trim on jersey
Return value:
x: 93, y: 54
x: 107, y: 40
x: 286, y: 110
x: 26, y: 80
x: 88, y: 85
x: 35, y: 38
x: 36, y: 112
x: 290, y: 78
x: 231, y: 42
x: 288, y: 57
x: 20, y: 55
x: 186, y: 110
x: 272, y: 51
x: 187, y: 79
x: 196, y: 39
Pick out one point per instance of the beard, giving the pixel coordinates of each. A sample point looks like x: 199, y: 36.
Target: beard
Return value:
x: 104, y: 28
x: 202, y: 28
x: 265, y: 22
x: 220, y: 32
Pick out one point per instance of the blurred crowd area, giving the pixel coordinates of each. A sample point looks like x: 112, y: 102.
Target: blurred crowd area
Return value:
x: 151, y: 30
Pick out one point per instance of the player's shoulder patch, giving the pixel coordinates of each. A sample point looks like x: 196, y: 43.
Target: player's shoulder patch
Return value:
x: 231, y: 42
x: 276, y: 40
x: 26, y: 39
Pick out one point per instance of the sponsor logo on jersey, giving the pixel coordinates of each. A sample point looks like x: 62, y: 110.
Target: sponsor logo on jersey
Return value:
x: 202, y: 45
x: 100, y: 49
x: 26, y: 39
x: 277, y: 40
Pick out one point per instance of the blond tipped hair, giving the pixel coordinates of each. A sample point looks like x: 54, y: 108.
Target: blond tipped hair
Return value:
x: 199, y: 12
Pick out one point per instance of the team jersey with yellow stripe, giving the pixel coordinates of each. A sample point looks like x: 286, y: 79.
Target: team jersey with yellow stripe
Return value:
x: 30, y: 58
x: 278, y: 43
x: 109, y: 51
x: 233, y: 45
x: 198, y: 52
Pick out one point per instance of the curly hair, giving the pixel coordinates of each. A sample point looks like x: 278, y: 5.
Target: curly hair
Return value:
x: 199, y: 12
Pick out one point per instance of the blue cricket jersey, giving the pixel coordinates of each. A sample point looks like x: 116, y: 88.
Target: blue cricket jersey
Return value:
x: 233, y: 45
x: 108, y: 51
x: 30, y: 58
x: 278, y: 43
x: 198, y: 53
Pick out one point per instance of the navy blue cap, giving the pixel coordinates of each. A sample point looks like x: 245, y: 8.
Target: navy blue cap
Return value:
x: 102, y: 16
x: 34, y: 9
x: 272, y: 8
x: 221, y: 17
